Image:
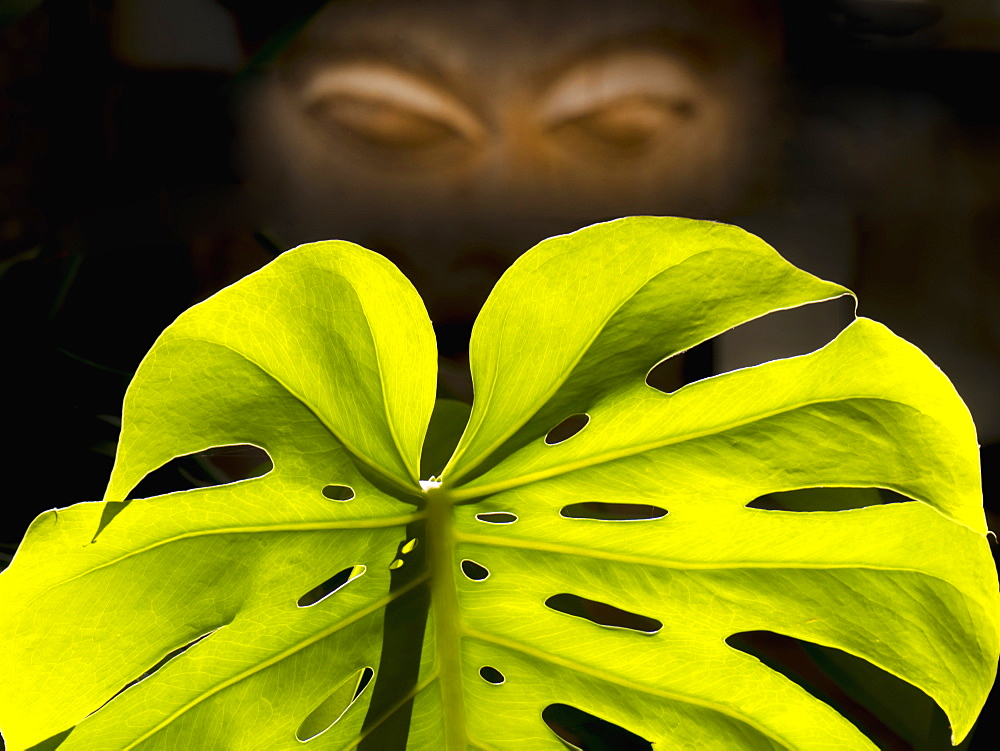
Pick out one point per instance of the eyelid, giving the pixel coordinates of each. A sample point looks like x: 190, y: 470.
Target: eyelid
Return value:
x: 597, y: 84
x: 389, y: 85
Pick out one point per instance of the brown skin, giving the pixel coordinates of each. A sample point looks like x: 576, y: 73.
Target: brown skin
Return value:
x: 451, y: 136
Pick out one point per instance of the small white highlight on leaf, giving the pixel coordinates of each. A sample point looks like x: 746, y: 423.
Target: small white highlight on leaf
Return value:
x: 429, y: 484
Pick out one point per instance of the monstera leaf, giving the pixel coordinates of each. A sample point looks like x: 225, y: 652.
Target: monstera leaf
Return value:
x: 348, y: 600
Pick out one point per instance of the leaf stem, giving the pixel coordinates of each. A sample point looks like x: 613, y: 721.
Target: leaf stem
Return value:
x: 444, y: 606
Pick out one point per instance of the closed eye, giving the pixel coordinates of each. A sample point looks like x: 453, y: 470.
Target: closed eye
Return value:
x: 386, y: 108
x: 624, y: 105
x: 631, y: 124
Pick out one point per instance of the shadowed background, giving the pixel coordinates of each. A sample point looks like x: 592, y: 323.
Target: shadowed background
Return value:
x: 153, y: 151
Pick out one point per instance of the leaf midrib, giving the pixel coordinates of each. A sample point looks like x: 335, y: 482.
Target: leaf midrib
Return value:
x: 299, y: 646
x: 377, y: 468
x: 385, y: 403
x: 618, y: 681
x: 567, y: 372
x: 383, y: 523
x: 476, y: 491
x: 542, y: 547
x: 637, y: 560
x: 599, y: 329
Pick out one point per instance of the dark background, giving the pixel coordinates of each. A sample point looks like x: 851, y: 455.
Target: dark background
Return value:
x: 142, y: 168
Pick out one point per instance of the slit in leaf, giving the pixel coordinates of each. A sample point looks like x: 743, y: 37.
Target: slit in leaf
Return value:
x: 474, y: 571
x: 567, y: 429
x: 682, y: 368
x: 893, y: 714
x: 338, y: 492
x: 497, y: 517
x: 332, y: 709
x: 585, y: 731
x: 602, y: 614
x: 826, y: 499
x: 221, y: 465
x: 158, y: 666
x: 613, y: 512
x: 491, y: 675
x: 782, y: 334
x: 335, y: 583
x: 776, y: 335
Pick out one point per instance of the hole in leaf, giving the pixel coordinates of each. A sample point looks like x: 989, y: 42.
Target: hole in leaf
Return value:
x: 602, y: 614
x: 567, y: 429
x: 894, y: 715
x: 159, y: 665
x: 221, y: 465
x: 366, y: 677
x: 331, y: 585
x: 826, y: 499
x: 332, y: 709
x: 409, y: 546
x: 588, y: 732
x: 338, y: 492
x: 683, y: 368
x: 474, y: 571
x: 781, y: 334
x: 776, y: 335
x: 492, y: 675
x: 613, y: 512
x: 497, y: 517
x: 666, y: 376
x: 397, y: 563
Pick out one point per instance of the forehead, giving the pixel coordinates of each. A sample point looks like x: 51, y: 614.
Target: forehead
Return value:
x: 533, y: 33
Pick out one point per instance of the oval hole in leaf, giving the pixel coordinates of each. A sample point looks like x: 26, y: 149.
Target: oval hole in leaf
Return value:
x: 497, y: 517
x: 474, y: 571
x: 893, y: 714
x: 492, y: 675
x: 332, y: 709
x: 336, y: 582
x: 826, y: 499
x: 338, y: 492
x: 602, y: 614
x: 567, y: 428
x: 585, y: 731
x: 221, y: 465
x: 613, y: 512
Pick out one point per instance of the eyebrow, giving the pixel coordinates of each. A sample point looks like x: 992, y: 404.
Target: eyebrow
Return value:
x: 704, y: 53
x: 312, y: 53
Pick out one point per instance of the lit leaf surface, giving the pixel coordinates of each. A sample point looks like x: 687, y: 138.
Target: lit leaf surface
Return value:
x: 485, y: 597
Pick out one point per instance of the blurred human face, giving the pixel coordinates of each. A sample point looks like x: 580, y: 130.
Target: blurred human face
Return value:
x: 450, y: 135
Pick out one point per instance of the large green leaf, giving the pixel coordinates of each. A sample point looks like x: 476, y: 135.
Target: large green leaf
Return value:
x: 481, y: 598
